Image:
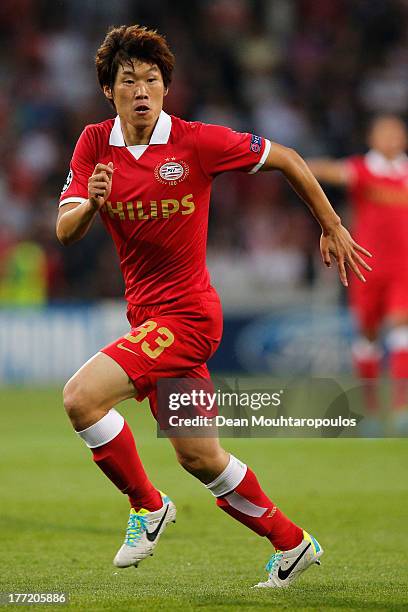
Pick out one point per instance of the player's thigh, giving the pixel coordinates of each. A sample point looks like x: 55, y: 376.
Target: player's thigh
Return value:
x: 368, y: 304
x: 98, y: 385
x: 397, y: 301
x: 193, y: 450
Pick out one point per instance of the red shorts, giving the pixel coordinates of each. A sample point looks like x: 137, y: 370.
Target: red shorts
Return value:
x: 382, y: 295
x: 168, y: 340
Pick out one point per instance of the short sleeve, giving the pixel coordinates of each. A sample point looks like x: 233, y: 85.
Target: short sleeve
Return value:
x: 221, y: 149
x: 81, y: 167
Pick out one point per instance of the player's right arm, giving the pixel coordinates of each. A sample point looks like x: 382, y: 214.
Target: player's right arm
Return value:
x: 75, y: 218
x: 330, y: 171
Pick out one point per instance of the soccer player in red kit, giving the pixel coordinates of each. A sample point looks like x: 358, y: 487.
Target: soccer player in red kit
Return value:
x: 148, y: 175
x: 378, y: 189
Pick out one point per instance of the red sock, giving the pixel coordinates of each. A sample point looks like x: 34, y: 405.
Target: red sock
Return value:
x: 120, y: 462
x: 367, y: 368
x: 399, y: 376
x: 367, y: 361
x: 249, y: 505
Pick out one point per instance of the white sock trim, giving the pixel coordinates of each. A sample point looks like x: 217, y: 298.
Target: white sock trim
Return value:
x: 363, y: 349
x: 229, y: 479
x: 103, y: 431
x: 244, y: 505
x: 397, y: 338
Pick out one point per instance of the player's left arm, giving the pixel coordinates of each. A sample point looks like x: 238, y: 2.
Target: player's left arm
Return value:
x: 335, y: 239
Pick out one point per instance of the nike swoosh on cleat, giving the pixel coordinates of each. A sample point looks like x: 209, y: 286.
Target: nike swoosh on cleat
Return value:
x: 152, y: 535
x: 283, y: 574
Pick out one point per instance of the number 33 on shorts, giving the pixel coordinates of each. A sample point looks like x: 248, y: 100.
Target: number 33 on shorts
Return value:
x: 154, y: 346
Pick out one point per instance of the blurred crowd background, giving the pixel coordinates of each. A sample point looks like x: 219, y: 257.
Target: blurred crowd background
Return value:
x: 306, y: 73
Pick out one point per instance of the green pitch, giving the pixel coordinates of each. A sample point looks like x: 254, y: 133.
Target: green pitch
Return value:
x: 61, y: 521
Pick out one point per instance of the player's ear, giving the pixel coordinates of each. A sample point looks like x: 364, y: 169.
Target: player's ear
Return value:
x: 166, y: 91
x: 108, y: 92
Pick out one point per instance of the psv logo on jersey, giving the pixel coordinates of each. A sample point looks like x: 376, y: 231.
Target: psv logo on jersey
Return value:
x: 171, y: 171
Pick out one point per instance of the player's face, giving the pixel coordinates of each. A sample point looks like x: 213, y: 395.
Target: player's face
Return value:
x: 388, y: 136
x: 138, y: 93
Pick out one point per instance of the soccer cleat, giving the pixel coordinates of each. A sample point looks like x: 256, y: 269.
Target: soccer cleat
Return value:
x: 143, y: 532
x: 285, y: 566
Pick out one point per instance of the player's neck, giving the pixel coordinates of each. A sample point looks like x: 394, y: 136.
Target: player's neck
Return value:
x: 136, y: 135
x: 390, y: 157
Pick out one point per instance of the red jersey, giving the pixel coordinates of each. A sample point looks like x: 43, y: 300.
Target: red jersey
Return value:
x: 379, y: 195
x: 157, y: 212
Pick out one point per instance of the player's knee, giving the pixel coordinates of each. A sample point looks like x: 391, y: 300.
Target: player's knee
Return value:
x: 195, y: 462
x: 191, y: 462
x: 76, y: 400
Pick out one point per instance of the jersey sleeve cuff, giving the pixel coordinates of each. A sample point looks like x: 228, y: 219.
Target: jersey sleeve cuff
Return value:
x: 265, y: 154
x: 72, y: 199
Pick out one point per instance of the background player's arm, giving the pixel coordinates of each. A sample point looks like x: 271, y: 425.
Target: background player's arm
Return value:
x: 75, y: 219
x: 335, y: 239
x: 330, y: 171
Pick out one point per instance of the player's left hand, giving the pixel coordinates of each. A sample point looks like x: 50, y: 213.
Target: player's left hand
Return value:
x: 339, y: 243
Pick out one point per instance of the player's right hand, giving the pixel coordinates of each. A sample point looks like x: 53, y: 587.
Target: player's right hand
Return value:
x: 100, y: 184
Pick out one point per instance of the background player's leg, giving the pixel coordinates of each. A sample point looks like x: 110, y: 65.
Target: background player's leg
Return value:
x: 89, y: 397
x: 236, y: 489
x: 397, y: 341
x: 367, y: 355
x: 367, y: 303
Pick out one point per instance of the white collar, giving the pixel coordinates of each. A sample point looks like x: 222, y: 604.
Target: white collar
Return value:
x: 380, y: 165
x: 160, y: 135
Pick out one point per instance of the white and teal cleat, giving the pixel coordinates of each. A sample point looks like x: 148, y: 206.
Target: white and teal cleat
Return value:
x: 285, y: 566
x: 143, y: 532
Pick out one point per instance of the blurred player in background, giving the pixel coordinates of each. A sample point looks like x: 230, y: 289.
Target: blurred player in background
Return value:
x: 149, y: 177
x: 377, y: 184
